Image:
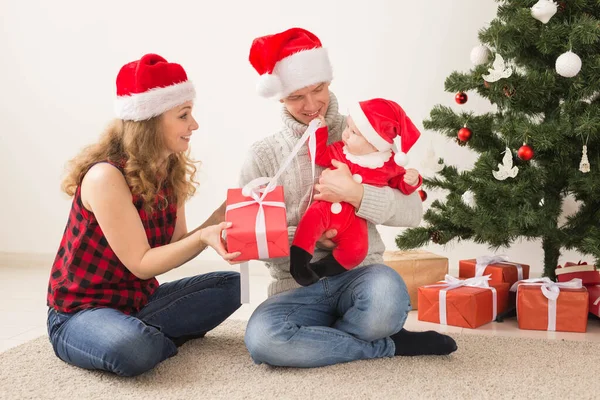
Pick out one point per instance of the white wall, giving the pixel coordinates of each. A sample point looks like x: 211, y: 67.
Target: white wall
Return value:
x: 60, y: 61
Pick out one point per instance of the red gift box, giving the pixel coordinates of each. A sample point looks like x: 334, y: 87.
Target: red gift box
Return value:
x: 259, y: 224
x: 549, y: 306
x: 594, y: 292
x: 467, y: 303
x: 587, y: 273
x: 498, y: 267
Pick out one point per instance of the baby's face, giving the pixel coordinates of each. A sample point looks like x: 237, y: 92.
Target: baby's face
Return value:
x: 355, y: 141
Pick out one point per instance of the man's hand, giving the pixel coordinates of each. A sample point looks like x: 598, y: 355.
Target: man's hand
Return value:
x: 325, y: 243
x: 411, y: 177
x: 336, y: 186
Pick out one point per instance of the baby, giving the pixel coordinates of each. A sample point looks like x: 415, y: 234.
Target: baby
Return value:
x: 366, y: 147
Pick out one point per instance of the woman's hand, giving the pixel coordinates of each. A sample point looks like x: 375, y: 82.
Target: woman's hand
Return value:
x: 336, y: 185
x: 212, y: 236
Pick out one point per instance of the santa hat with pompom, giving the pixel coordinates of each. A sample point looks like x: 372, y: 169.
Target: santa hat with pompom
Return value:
x: 380, y: 121
x: 150, y: 86
x: 288, y: 61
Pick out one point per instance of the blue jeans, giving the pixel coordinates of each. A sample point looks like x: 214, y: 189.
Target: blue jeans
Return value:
x: 338, y: 319
x: 128, y: 345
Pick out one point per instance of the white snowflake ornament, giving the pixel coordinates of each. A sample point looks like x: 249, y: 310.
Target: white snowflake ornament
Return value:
x: 568, y: 64
x: 543, y: 10
x: 498, y: 71
x: 506, y: 169
x: 480, y: 55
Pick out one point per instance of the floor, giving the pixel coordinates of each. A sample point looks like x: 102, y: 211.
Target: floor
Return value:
x: 23, y: 283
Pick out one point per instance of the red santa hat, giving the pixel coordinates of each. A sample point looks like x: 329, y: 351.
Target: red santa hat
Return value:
x: 288, y: 61
x: 380, y: 121
x: 150, y: 86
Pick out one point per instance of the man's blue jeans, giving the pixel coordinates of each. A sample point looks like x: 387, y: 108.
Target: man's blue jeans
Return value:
x: 342, y: 318
x: 128, y: 345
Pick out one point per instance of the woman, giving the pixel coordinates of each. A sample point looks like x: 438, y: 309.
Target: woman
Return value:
x: 127, y: 225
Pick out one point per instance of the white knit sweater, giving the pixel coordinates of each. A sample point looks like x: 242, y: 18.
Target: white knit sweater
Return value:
x: 380, y: 206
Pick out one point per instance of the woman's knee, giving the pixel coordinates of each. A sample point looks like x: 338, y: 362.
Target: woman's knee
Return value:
x: 136, y: 354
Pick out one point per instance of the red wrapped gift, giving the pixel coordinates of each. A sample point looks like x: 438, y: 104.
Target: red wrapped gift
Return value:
x: 587, y: 273
x: 498, y: 267
x: 259, y: 223
x: 469, y: 303
x: 594, y: 292
x: 549, y: 306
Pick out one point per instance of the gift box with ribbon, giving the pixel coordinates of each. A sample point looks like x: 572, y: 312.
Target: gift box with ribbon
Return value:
x: 549, y: 306
x: 258, y: 215
x: 594, y: 292
x: 497, y: 266
x: 468, y: 303
x: 588, y: 274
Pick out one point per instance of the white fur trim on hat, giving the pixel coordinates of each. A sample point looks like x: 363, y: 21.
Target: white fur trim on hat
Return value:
x: 143, y: 106
x: 302, y: 69
x: 366, y: 129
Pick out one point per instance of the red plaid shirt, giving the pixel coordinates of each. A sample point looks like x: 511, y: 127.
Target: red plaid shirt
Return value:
x: 87, y: 273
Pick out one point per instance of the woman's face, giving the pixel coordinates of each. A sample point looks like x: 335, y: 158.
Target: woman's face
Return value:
x: 308, y: 103
x: 177, y: 126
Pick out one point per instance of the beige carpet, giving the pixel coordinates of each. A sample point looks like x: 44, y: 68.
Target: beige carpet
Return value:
x: 219, y: 367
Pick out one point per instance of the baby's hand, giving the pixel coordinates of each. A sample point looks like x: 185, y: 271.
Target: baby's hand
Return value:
x: 322, y: 119
x: 411, y: 177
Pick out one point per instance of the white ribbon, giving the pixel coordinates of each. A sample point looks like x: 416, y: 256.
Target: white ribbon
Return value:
x: 550, y: 290
x: 453, y: 283
x: 484, y: 261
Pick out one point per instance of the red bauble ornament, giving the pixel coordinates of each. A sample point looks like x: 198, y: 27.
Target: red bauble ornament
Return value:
x: 525, y: 152
x: 464, y: 134
x: 486, y: 84
x: 461, y: 97
x: 423, y: 195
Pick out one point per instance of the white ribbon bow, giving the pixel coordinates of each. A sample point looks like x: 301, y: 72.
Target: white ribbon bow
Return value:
x: 550, y: 290
x: 453, y: 283
x: 484, y: 261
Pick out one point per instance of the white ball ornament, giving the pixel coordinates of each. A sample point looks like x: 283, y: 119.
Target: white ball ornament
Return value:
x: 468, y: 198
x: 568, y: 64
x: 480, y: 55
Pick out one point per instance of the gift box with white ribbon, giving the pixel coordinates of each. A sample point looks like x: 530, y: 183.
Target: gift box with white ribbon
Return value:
x: 549, y: 306
x: 498, y: 267
x: 468, y: 303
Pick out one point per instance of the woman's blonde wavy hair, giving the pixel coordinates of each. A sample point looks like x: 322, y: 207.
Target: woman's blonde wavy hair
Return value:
x: 137, y: 145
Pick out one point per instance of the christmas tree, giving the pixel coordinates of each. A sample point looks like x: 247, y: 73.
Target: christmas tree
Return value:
x: 539, y: 65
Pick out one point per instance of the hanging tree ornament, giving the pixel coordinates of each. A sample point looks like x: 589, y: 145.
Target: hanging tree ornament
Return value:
x: 468, y: 198
x: 543, y: 10
x: 525, y: 152
x: 498, y: 71
x: 568, y: 64
x: 584, y: 164
x: 506, y: 169
x: 464, y: 134
x: 436, y: 237
x: 422, y: 194
x: 431, y: 162
x: 480, y: 55
x: 461, y: 97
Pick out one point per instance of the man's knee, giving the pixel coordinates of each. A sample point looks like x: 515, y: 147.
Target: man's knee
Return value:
x: 267, y: 339
x: 385, y: 299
